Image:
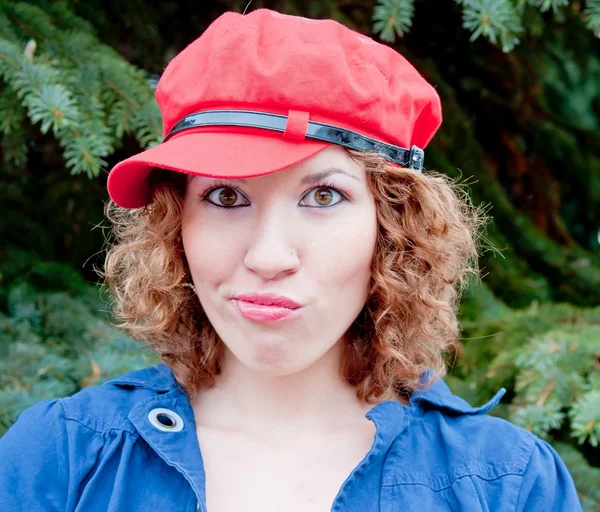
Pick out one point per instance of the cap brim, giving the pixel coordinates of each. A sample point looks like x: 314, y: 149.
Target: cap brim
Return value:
x: 214, y: 154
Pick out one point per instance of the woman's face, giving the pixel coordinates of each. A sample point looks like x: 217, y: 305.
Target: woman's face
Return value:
x: 291, y: 233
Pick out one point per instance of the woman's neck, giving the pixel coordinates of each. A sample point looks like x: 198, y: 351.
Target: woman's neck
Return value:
x: 316, y: 398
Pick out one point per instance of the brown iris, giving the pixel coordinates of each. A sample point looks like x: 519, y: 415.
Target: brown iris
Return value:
x: 323, y: 196
x: 228, y: 196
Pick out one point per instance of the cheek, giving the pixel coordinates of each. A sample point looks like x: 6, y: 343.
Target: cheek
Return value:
x: 208, y: 249
x: 346, y: 252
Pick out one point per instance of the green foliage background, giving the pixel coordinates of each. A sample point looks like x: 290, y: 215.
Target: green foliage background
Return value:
x: 520, y: 86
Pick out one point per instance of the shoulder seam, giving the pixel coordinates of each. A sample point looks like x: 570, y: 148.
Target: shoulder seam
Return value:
x: 489, y: 470
x: 108, y: 429
x: 59, y: 401
x: 533, y: 445
x: 508, y: 472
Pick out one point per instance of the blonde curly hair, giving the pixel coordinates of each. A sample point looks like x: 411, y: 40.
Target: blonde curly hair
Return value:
x: 426, y: 249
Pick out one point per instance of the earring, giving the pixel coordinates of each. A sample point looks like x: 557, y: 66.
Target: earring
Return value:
x: 187, y: 285
x: 190, y: 286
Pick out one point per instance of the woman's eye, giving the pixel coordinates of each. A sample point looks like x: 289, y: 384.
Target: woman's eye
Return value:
x: 225, y: 197
x: 323, y: 196
x: 319, y: 197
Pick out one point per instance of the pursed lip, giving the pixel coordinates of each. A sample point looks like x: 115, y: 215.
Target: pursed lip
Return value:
x: 269, y: 299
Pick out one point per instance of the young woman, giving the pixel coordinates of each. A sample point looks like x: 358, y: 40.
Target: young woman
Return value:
x: 298, y: 275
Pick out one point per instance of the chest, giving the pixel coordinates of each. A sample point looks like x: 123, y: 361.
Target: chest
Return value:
x: 305, y: 474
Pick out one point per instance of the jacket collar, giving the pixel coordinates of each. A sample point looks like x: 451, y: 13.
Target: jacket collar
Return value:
x: 181, y: 450
x: 160, y: 378
x: 439, y: 396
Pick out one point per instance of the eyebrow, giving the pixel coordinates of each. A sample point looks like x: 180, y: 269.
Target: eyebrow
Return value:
x: 311, y: 178
x: 318, y: 176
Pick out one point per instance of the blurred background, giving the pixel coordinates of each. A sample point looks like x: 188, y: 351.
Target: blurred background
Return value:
x: 520, y: 88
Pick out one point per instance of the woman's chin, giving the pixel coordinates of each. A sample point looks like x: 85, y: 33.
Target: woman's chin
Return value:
x: 271, y: 356
x: 272, y: 360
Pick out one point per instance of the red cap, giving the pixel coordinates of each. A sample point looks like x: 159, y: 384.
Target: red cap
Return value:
x: 260, y: 92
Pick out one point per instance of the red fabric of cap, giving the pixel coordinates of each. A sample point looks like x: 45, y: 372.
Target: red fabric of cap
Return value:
x: 307, y: 69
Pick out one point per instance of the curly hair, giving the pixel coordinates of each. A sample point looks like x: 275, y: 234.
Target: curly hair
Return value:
x: 426, y: 251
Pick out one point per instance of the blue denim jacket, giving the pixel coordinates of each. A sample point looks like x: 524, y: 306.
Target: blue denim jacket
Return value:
x: 130, y: 445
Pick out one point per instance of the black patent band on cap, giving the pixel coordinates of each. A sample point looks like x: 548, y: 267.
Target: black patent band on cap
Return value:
x: 412, y: 158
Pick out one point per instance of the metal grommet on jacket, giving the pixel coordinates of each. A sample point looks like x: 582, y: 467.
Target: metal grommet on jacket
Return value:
x: 166, y: 420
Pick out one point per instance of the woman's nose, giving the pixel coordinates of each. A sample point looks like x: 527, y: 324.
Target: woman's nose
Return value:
x: 270, y: 251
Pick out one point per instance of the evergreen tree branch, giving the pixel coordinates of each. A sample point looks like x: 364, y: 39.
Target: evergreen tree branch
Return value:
x: 499, y: 21
x: 592, y: 16
x: 72, y: 85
